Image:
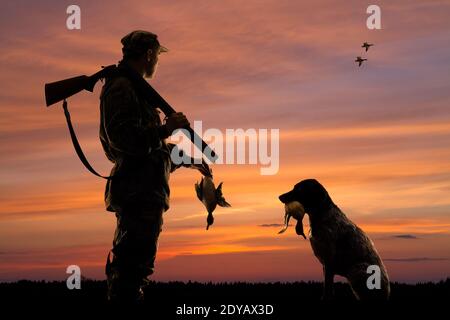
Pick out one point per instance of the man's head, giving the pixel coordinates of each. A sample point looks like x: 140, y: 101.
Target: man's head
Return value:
x: 142, y: 48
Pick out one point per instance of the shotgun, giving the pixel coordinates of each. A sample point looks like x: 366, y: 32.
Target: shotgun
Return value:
x: 61, y: 90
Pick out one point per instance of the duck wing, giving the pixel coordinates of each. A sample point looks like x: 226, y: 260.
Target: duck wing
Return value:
x: 219, y: 196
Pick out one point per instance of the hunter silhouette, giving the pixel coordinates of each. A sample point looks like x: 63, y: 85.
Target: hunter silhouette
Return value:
x: 133, y: 138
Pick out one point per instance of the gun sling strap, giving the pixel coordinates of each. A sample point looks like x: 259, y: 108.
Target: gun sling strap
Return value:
x: 141, y: 87
x: 77, y: 146
x: 73, y: 136
x: 146, y: 91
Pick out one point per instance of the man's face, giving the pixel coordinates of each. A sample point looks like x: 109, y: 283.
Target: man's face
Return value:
x: 151, y: 62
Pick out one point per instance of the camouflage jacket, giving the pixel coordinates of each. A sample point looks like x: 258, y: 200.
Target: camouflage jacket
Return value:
x: 134, y: 140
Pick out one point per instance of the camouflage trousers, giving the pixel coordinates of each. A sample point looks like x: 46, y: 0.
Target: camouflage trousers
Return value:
x: 133, y: 253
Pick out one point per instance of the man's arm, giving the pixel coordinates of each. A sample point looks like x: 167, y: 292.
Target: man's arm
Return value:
x: 123, y: 124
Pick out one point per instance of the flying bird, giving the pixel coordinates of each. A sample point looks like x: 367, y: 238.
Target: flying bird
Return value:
x: 210, y: 197
x: 366, y: 45
x: 360, y: 61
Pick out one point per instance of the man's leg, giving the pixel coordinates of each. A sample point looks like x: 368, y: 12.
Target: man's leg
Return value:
x: 134, y: 252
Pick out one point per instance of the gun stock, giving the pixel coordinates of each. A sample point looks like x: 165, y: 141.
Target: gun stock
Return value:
x: 60, y: 90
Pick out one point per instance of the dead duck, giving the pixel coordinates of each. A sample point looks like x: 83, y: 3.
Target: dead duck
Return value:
x: 210, y: 197
x: 295, y: 210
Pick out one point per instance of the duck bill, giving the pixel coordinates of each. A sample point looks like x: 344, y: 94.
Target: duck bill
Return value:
x: 287, y: 217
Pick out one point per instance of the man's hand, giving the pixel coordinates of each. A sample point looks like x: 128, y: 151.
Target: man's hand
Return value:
x: 176, y: 121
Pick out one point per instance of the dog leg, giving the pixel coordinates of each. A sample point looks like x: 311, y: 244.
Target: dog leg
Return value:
x: 358, y: 280
x: 328, y: 286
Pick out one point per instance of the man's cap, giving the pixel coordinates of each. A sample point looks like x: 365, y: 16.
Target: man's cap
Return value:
x: 138, y: 41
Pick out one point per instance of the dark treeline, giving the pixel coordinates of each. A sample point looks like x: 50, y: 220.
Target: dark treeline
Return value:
x: 286, y: 298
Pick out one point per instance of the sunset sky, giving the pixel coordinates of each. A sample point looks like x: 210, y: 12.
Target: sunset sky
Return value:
x: 377, y: 137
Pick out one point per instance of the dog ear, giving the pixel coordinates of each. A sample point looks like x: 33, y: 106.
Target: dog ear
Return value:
x: 313, y: 194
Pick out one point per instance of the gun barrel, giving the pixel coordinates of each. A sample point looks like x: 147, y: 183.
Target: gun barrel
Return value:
x: 193, y: 136
x: 153, y: 95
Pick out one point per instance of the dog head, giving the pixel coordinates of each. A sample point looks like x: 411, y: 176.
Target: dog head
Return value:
x: 308, y: 196
x: 312, y: 196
